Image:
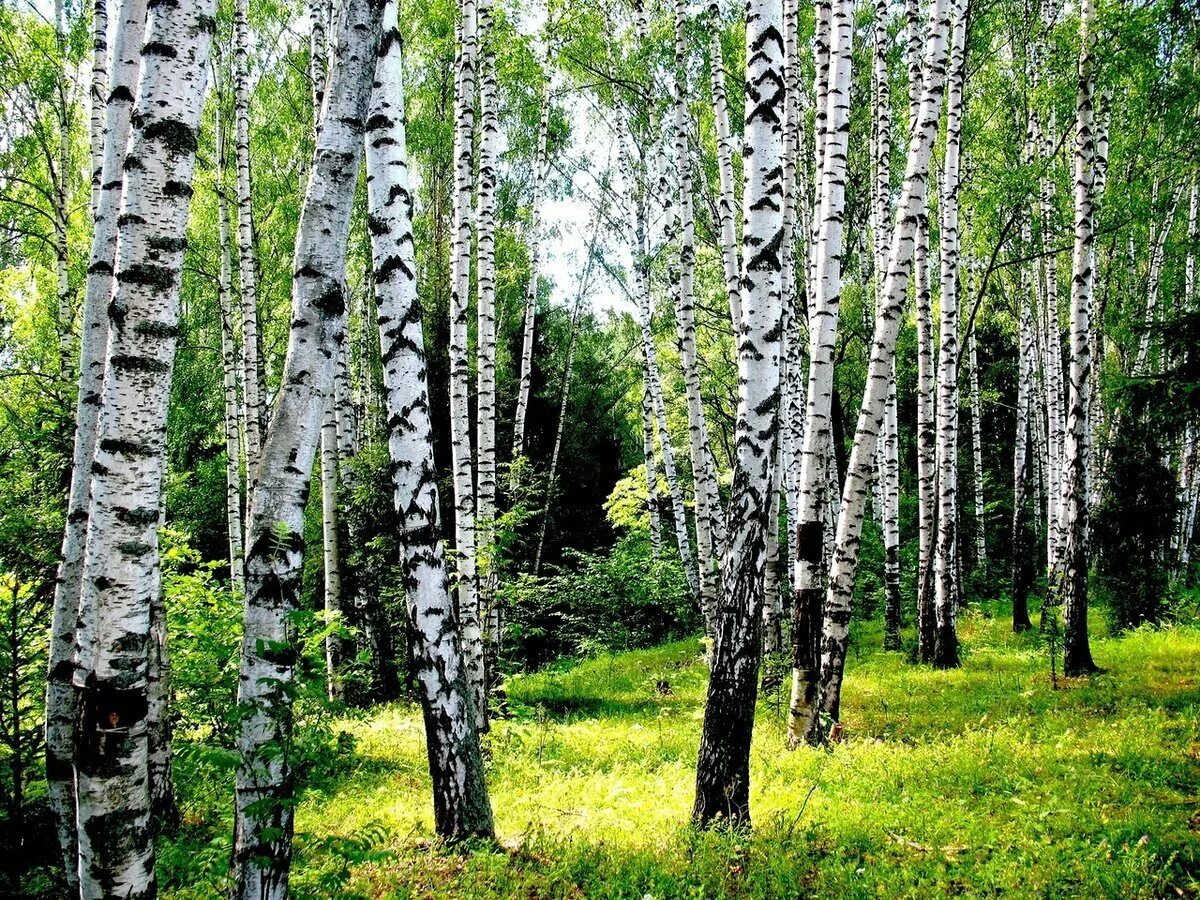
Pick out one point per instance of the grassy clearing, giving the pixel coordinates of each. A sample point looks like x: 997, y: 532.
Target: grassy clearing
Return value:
x: 982, y: 781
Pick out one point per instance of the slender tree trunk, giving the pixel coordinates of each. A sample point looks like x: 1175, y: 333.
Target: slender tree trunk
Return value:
x: 331, y: 557
x: 525, y: 382
x: 946, y: 645
x: 1022, y: 525
x: 723, y: 767
x: 912, y: 207
x: 727, y: 203
x: 977, y: 456
x: 655, y: 515
x: 463, y: 467
x: 98, y: 96
x: 253, y: 389
x: 164, y: 809
x: 1143, y: 365
x: 772, y: 620
x: 1077, y: 655
x: 460, y: 799
x: 485, y: 348
x: 926, y: 449
x: 704, y: 466
x: 229, y: 364
x: 833, y: 110
x: 264, y: 808
x: 60, y: 172
x: 62, y: 708
x: 120, y: 570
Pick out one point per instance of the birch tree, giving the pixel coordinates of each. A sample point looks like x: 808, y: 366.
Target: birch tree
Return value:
x: 727, y: 203
x: 264, y: 809
x: 120, y: 579
x: 460, y: 799
x: 911, y: 207
x: 62, y: 708
x: 462, y: 459
x: 1077, y: 656
x: 723, y: 767
x: 833, y: 108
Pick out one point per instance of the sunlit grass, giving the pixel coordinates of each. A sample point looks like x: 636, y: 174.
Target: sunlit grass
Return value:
x: 980, y: 781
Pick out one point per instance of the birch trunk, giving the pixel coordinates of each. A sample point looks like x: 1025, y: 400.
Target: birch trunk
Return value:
x: 926, y: 449
x: 823, y: 323
x: 704, y: 474
x: 977, y: 456
x: 485, y: 347
x: 331, y: 557
x: 252, y: 388
x: 727, y: 202
x: 264, y: 809
x: 1077, y: 656
x: 121, y: 579
x: 525, y: 382
x: 61, y: 698
x: 857, y: 487
x: 1144, y: 364
x: 723, y: 767
x: 233, y: 440
x: 652, y: 508
x: 98, y: 97
x: 1022, y: 525
x: 462, y: 460
x: 946, y: 645
x: 60, y: 172
x: 460, y: 799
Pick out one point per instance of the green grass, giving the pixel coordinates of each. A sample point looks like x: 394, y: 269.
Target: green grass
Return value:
x: 982, y: 781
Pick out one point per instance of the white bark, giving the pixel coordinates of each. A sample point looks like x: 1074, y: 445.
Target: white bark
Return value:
x: 120, y: 579
x: 461, y: 806
x: 253, y: 390
x: 857, y: 487
x: 826, y: 284
x: 262, y: 840
x: 727, y: 203
x: 331, y: 557
x: 98, y: 97
x: 946, y: 604
x: 462, y: 459
x: 722, y: 771
x: 1143, y: 364
x: 61, y: 699
x: 977, y: 455
x: 704, y: 466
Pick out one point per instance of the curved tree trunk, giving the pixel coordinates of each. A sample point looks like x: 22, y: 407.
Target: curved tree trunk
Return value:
x: 723, y: 766
x: 833, y: 132
x: 462, y: 459
x: 264, y: 809
x: 61, y: 698
x: 835, y: 636
x: 120, y: 571
x: 460, y: 800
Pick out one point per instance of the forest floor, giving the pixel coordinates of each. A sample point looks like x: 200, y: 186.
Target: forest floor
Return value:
x: 983, y: 781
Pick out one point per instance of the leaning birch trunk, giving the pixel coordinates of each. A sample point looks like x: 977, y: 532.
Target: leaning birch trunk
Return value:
x: 60, y: 170
x: 253, y: 390
x: 525, y: 378
x: 121, y: 578
x: 704, y: 468
x: 462, y: 460
x: 460, y: 799
x: 485, y: 347
x: 946, y: 595
x: 98, y: 96
x: 233, y: 441
x: 1077, y: 655
x: 727, y: 203
x: 858, y: 475
x: 61, y: 698
x: 331, y: 557
x: 723, y: 766
x: 264, y: 808
x: 823, y: 324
